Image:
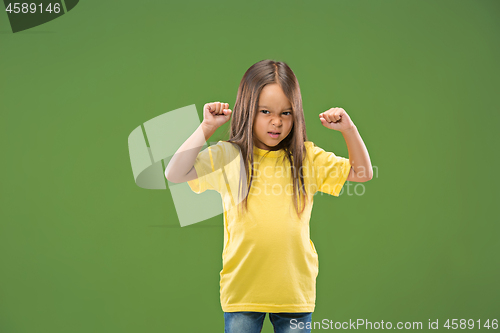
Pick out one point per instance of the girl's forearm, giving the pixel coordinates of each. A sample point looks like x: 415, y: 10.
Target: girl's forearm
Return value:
x: 183, y: 160
x: 358, y: 154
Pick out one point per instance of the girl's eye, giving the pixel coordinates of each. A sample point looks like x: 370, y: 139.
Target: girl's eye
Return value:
x: 288, y: 112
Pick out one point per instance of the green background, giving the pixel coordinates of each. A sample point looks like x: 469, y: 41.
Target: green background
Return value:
x: 84, y: 249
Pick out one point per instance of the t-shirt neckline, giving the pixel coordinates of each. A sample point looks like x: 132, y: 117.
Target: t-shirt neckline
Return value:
x: 269, y: 153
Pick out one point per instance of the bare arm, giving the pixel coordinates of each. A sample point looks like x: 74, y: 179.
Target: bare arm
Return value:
x: 181, y: 169
x: 361, y: 166
x: 181, y: 166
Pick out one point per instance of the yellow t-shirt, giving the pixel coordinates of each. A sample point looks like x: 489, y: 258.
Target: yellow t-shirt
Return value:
x: 269, y: 263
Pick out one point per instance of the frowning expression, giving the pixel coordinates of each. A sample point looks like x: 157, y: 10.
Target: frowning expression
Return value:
x: 274, y: 119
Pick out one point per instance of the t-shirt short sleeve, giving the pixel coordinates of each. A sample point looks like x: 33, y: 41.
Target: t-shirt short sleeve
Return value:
x: 330, y: 171
x: 207, y: 166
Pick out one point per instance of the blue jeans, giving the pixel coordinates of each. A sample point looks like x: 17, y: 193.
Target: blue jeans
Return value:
x: 252, y: 322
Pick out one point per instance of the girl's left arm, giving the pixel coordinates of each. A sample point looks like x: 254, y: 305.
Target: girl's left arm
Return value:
x: 361, y: 166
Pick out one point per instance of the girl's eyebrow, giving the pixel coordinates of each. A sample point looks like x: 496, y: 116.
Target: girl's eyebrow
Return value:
x: 263, y: 106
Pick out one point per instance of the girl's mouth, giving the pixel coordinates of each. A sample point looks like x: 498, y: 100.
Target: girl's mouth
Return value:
x: 274, y: 135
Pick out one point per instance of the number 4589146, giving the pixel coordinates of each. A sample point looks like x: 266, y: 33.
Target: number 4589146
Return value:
x: 463, y: 324
x: 32, y: 8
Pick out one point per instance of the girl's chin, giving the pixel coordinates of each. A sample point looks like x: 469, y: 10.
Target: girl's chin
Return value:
x: 269, y: 143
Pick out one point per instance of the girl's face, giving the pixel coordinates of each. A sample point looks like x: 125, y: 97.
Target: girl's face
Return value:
x: 274, y: 115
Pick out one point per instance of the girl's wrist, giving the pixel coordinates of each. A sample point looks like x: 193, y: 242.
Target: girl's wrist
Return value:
x: 208, y: 130
x: 351, y: 129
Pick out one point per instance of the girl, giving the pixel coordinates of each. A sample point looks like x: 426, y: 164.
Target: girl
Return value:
x: 270, y: 264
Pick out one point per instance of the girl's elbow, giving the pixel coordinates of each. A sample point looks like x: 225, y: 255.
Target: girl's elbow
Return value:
x: 169, y: 178
x: 370, y: 174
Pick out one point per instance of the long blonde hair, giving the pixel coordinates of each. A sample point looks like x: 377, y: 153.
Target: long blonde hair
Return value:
x: 244, y: 112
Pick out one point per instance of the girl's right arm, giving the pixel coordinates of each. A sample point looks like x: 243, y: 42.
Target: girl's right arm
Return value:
x: 181, y: 166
